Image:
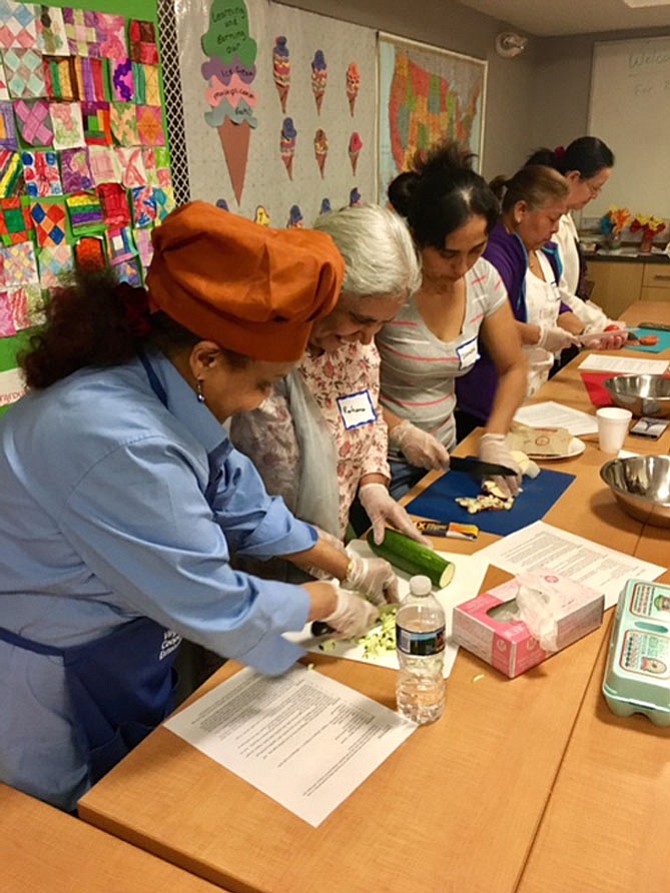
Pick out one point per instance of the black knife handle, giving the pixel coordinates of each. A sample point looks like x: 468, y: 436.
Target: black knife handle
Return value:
x: 319, y: 628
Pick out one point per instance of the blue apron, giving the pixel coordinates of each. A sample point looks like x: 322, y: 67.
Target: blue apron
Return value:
x: 121, y: 685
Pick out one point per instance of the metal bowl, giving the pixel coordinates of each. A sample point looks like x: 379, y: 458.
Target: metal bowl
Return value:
x: 641, y: 486
x: 643, y: 394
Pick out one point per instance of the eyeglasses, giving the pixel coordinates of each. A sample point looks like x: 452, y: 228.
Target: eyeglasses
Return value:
x: 594, y: 190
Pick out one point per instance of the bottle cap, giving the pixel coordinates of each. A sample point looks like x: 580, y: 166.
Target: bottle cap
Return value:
x: 420, y: 585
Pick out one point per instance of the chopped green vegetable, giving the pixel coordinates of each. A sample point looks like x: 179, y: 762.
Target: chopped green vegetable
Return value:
x: 412, y: 557
x: 328, y: 645
x: 380, y: 640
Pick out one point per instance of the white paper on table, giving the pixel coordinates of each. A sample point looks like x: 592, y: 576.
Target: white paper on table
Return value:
x: 603, y: 363
x: 556, y: 415
x: 626, y: 454
x: 303, y: 739
x: 542, y: 546
x: 12, y: 386
x: 466, y: 583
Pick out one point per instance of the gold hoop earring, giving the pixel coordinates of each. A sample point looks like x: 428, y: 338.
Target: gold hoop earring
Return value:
x: 199, y: 392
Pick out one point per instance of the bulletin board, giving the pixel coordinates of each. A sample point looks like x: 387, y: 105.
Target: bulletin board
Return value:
x: 279, y: 109
x: 426, y: 94
x: 630, y: 110
x: 84, y: 162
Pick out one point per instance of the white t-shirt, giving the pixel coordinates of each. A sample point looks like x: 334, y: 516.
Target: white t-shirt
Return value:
x: 419, y: 371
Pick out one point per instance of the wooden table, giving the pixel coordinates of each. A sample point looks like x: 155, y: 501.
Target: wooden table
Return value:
x: 42, y: 850
x: 456, y: 808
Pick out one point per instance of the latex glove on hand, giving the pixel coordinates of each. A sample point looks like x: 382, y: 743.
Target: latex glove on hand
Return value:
x: 419, y: 447
x: 613, y: 339
x: 493, y: 448
x: 383, y: 510
x: 555, y: 339
x: 373, y: 577
x: 353, y: 616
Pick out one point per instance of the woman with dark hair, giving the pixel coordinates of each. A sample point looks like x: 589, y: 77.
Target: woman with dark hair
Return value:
x: 435, y: 338
x: 586, y: 165
x: 122, y: 498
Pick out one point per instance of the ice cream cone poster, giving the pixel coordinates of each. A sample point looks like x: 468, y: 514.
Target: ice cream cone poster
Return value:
x: 261, y: 216
x: 321, y: 150
x: 319, y: 78
x: 281, y: 70
x: 230, y: 72
x: 353, y: 86
x: 355, y: 146
x: 295, y: 220
x: 287, y: 145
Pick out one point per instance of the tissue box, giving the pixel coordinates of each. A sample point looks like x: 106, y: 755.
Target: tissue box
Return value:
x: 490, y: 627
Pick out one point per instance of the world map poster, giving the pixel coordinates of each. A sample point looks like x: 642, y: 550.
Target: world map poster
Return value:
x: 425, y: 94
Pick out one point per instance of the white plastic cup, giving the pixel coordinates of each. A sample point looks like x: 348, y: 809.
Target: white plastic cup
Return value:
x: 613, y: 425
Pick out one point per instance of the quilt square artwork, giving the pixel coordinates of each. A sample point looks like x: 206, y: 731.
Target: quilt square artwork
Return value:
x: 55, y: 262
x: 123, y: 121
x: 4, y: 92
x: 144, y: 206
x: 90, y: 253
x: 27, y: 305
x: 128, y: 271
x: 147, y: 84
x: 34, y: 122
x: 85, y: 212
x: 67, y: 124
x: 75, y: 171
x: 104, y: 165
x: 60, y: 78
x: 49, y: 220
x: 97, y: 128
x: 114, y: 201
x: 41, y: 174
x: 143, y: 42
x: 150, y: 125
x: 51, y: 30
x: 132, y: 166
x: 11, y: 174
x: 25, y: 75
x: 91, y: 78
x: 120, y: 245
x: 123, y: 84
x: 15, y: 221
x: 111, y: 30
x: 8, y: 139
x: 80, y: 30
x: 19, y: 266
x: 18, y: 24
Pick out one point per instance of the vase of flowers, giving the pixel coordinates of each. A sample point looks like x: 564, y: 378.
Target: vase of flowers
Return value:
x: 612, y: 224
x: 649, y: 227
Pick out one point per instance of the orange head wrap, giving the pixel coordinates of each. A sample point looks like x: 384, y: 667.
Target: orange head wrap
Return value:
x: 251, y: 289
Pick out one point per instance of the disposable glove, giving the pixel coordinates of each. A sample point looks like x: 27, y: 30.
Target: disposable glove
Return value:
x: 493, y: 448
x: 555, y: 339
x: 383, y: 510
x: 353, y: 616
x: 373, y: 577
x: 419, y: 447
x: 611, y: 340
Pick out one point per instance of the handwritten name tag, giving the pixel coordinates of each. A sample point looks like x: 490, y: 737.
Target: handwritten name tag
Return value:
x: 356, y: 410
x: 467, y: 354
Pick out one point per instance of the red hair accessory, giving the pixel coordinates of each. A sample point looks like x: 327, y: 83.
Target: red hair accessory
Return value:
x: 559, y: 151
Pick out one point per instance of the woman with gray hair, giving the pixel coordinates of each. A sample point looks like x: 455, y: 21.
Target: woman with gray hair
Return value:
x: 320, y: 439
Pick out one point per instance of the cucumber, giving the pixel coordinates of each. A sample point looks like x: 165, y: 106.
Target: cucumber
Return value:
x: 413, y: 558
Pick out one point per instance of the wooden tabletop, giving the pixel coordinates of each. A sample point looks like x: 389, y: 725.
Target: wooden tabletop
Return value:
x: 456, y: 808
x: 42, y: 850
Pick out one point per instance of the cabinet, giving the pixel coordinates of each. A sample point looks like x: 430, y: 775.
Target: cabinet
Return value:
x: 655, y: 282
x: 616, y: 284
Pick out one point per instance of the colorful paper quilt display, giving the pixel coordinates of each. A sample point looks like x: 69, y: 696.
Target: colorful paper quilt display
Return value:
x: 129, y: 271
x: 18, y: 24
x: 55, y: 263
x: 8, y: 138
x: 123, y: 85
x: 142, y: 37
x: 150, y: 125
x: 4, y: 92
x: 91, y: 79
x: 19, y: 266
x: 120, y: 245
x: 104, y: 165
x: 147, y: 84
x: 144, y: 206
x: 75, y: 172
x: 80, y: 30
x: 68, y: 125
x: 60, y: 78
x: 85, y: 212
x: 111, y: 30
x: 51, y: 28
x: 49, y: 220
x: 165, y: 202
x: 132, y: 166
x: 145, y: 247
x: 7, y: 327
x: 97, y: 130
x: 41, y: 174
x: 90, y: 254
x: 15, y: 221
x: 25, y: 74
x: 34, y: 122
x: 114, y: 201
x: 11, y: 174
x: 123, y: 121
x: 26, y: 305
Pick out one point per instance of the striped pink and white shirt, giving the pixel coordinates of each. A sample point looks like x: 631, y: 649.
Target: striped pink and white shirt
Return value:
x: 419, y: 371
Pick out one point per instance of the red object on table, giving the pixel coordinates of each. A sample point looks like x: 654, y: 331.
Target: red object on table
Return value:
x: 594, y: 382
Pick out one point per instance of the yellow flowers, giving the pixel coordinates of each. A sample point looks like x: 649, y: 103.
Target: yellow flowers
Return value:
x: 614, y: 220
x: 647, y: 224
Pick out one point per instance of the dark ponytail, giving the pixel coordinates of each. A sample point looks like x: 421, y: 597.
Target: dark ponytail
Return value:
x: 587, y: 155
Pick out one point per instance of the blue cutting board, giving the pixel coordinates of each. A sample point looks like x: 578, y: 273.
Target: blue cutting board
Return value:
x: 539, y: 494
x: 663, y: 341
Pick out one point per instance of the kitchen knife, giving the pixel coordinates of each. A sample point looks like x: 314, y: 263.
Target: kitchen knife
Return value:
x: 479, y: 469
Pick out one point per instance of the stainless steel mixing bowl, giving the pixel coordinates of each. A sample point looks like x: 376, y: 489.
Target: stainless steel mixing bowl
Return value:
x: 643, y: 394
x: 641, y: 485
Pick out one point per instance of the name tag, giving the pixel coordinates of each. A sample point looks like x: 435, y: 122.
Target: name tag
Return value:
x: 467, y: 354
x: 357, y: 409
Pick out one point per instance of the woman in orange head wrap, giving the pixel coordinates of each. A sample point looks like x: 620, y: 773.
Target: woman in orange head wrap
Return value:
x: 122, y: 498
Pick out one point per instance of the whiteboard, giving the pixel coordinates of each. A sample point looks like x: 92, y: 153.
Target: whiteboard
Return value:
x: 630, y: 111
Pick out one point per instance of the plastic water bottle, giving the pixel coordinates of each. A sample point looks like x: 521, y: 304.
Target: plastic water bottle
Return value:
x: 420, y: 623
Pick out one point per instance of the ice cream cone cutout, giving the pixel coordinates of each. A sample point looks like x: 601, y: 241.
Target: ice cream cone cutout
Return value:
x: 287, y: 145
x: 295, y: 219
x: 355, y: 146
x: 353, y: 86
x: 261, y: 216
x: 281, y: 70
x: 319, y: 78
x: 321, y: 150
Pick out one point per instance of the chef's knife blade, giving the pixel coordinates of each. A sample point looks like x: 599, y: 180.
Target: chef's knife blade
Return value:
x: 479, y: 469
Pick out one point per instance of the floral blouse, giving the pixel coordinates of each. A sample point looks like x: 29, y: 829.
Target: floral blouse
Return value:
x: 268, y: 436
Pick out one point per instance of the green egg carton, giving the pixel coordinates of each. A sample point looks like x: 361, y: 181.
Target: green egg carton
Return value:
x: 637, y: 677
